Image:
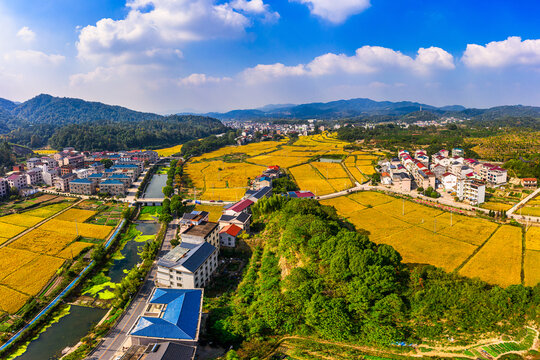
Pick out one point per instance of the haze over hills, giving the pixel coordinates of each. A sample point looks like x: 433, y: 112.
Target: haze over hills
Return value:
x: 361, y: 107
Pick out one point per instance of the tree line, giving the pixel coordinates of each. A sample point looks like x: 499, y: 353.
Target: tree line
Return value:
x: 316, y: 276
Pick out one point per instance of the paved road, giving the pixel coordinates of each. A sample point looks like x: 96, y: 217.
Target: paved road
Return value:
x: 113, y: 342
x: 523, y: 202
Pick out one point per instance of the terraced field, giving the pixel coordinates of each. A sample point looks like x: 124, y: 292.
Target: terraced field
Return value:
x: 224, y: 174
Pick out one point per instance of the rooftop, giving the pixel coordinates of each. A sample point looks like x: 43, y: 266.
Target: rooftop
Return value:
x: 190, y: 256
x: 178, y: 318
x: 80, y: 181
x: 241, y: 205
x: 231, y: 229
x: 112, y: 182
x: 201, y: 230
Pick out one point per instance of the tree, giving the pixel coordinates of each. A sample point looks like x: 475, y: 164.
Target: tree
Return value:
x: 127, y: 212
x: 107, y: 163
x: 99, y: 253
x: 168, y: 190
x: 175, y: 242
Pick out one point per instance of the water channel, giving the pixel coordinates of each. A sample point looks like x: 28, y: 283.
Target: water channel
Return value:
x: 72, y: 327
x: 154, y: 190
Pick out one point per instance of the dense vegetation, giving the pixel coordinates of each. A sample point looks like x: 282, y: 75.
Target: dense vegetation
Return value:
x: 59, y: 122
x: 7, y: 157
x: 209, y: 144
x: 528, y: 166
x: 315, y: 276
x: 108, y: 135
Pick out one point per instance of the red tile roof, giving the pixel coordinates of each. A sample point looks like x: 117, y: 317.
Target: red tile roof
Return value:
x: 231, y: 229
x: 241, y: 205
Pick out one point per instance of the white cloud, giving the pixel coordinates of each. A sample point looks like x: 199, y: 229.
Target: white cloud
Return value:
x: 509, y: 52
x: 256, y: 7
x: 200, y: 79
x: 335, y: 11
x: 33, y: 57
x: 157, y: 29
x: 367, y: 60
x: 26, y: 35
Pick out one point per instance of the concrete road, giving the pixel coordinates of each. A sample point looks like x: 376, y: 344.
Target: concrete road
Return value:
x: 112, y: 343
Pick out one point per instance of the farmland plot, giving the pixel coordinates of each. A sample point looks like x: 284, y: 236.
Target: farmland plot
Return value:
x: 499, y: 261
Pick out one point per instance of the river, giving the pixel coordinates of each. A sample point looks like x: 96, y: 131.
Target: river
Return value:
x: 75, y: 325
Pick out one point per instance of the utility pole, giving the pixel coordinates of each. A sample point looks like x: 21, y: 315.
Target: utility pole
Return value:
x: 403, y: 211
x: 451, y: 216
x: 434, y: 225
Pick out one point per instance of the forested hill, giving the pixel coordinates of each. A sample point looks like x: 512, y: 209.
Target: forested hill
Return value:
x: 362, y: 108
x: 59, y: 122
x: 54, y: 110
x: 313, y: 275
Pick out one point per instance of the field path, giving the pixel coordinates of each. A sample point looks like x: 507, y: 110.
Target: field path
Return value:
x: 39, y: 224
x: 523, y: 202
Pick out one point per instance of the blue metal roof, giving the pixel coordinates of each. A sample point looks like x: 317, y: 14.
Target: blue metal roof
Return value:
x: 119, y: 176
x: 96, y: 175
x: 125, y: 166
x: 112, y: 182
x: 179, y: 320
x: 81, y: 181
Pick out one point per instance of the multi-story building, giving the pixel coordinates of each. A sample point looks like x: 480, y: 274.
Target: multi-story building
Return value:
x: 473, y: 191
x: 66, y: 169
x: 77, y: 161
x: 204, y: 232
x: 17, y: 180
x: 32, y: 163
x: 34, y: 176
x: 82, y: 173
x: 125, y: 179
x: 95, y: 178
x: 82, y: 187
x: 48, y: 174
x: 112, y: 187
x: 243, y: 220
x: 4, y: 187
x: 61, y: 183
x: 97, y: 168
x: 187, y: 266
x: 171, y: 317
x: 493, y: 174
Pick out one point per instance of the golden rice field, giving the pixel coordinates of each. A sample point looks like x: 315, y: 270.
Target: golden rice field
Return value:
x: 308, y: 179
x: 73, y: 249
x: 43, y: 242
x: 224, y: 194
x: 496, y: 206
x: 330, y: 170
x: 169, y: 151
x: 210, y: 174
x: 45, y: 151
x: 47, y: 211
x: 499, y: 260
x: 280, y: 160
x: 422, y: 234
x: 21, y: 220
x: 32, y: 277
x: 10, y: 300
x: 529, y: 211
x: 9, y: 230
x: 72, y: 228
x: 532, y: 267
x: 77, y: 215
x: 214, y: 210
x: 532, y: 238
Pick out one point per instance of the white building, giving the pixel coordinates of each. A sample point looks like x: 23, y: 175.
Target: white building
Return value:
x: 493, y: 174
x: 473, y: 191
x: 449, y: 181
x: 17, y: 180
x: 187, y: 266
x: 228, y: 235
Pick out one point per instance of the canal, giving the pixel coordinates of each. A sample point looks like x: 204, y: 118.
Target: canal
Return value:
x: 76, y: 324
x: 154, y: 190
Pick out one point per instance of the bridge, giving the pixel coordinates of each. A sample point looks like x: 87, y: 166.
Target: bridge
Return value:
x: 150, y: 201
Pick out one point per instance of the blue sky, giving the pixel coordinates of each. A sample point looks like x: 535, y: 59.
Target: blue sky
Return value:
x: 214, y: 55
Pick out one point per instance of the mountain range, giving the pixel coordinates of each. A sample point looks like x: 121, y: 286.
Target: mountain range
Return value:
x: 362, y: 108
